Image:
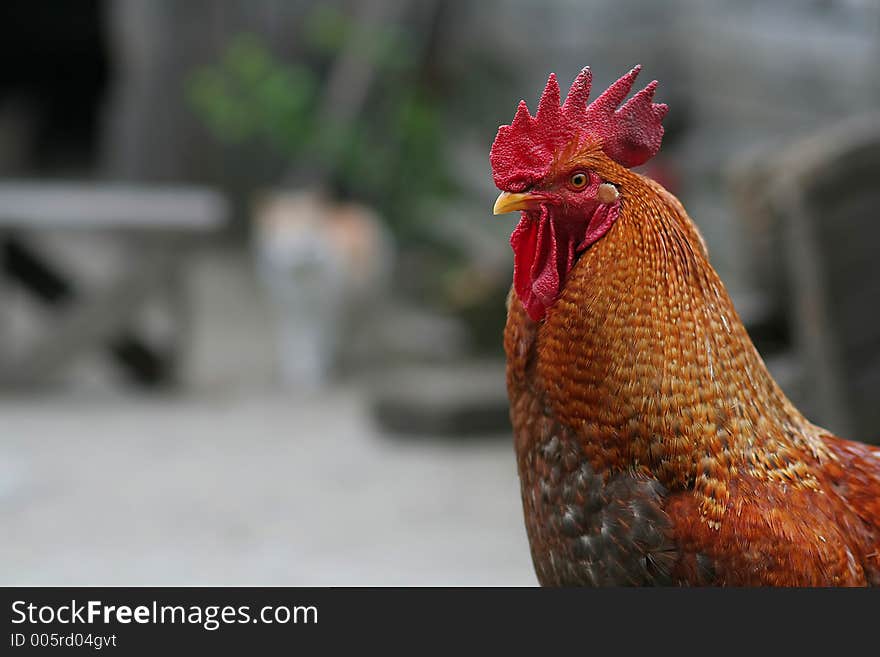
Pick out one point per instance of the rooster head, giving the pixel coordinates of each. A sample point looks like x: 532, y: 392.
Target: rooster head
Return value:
x: 553, y: 167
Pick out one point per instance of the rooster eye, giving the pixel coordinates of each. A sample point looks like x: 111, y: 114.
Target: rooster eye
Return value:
x: 578, y: 180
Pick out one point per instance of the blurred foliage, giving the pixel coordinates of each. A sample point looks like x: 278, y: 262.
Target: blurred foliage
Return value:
x: 249, y: 95
x: 392, y: 156
x: 395, y: 156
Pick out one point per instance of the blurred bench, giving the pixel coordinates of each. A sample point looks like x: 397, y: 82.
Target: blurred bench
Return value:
x: 158, y: 223
x: 829, y: 201
x: 813, y: 209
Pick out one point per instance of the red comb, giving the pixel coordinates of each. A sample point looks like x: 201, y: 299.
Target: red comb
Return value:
x: 523, y: 151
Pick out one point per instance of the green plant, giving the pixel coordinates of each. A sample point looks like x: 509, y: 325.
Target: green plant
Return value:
x: 391, y: 156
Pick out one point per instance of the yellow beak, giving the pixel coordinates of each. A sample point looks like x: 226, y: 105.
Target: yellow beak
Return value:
x: 510, y: 202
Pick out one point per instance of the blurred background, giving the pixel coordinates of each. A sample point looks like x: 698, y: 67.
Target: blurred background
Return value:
x: 253, y: 294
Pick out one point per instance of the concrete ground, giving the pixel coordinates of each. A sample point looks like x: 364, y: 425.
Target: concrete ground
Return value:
x: 249, y: 489
x: 237, y: 482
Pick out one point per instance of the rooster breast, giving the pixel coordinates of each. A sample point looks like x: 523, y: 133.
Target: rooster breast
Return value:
x: 612, y: 526
x: 584, y: 528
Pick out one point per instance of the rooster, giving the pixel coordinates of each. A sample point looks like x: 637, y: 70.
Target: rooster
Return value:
x: 653, y: 446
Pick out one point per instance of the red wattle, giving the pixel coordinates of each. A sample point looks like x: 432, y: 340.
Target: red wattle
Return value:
x: 545, y: 250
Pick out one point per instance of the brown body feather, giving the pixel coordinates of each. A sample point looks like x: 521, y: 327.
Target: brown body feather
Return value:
x: 654, y: 446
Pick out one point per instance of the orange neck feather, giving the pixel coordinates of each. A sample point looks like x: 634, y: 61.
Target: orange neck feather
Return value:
x: 645, y: 356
